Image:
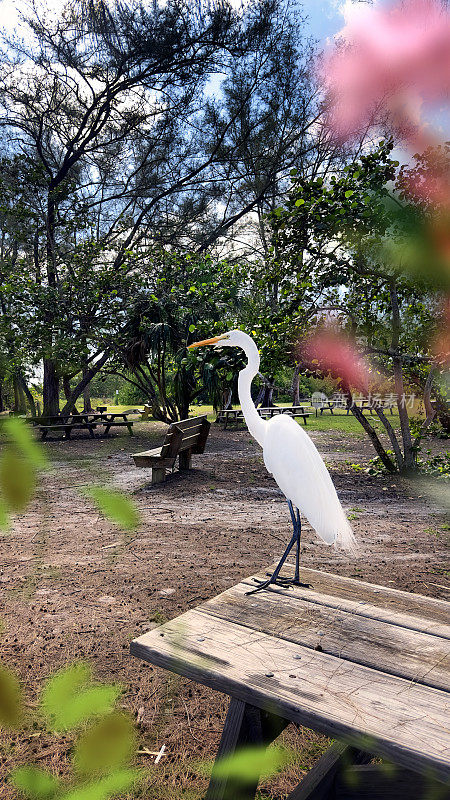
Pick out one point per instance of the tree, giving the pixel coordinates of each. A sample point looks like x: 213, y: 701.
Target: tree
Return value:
x: 331, y: 243
x: 110, y: 114
x: 175, y: 297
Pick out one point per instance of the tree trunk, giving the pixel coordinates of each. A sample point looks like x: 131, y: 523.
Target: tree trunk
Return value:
x: 227, y: 396
x: 66, y: 387
x: 28, y: 395
x: 16, y: 395
x: 388, y: 463
x: 2, y: 405
x: 51, y: 389
x: 295, y: 386
x: 409, y: 453
x: 87, y: 408
x: 86, y: 379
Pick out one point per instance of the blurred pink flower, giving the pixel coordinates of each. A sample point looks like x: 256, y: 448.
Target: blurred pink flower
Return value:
x: 333, y: 352
x: 390, y: 60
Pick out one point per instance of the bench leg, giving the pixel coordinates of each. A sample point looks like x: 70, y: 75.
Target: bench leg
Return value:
x: 43, y: 435
x: 107, y: 427
x: 244, y: 726
x: 91, y: 432
x: 130, y: 429
x: 67, y: 433
x: 158, y: 475
x: 184, y: 461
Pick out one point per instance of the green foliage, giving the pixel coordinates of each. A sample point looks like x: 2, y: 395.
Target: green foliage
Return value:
x: 23, y: 440
x: 434, y: 429
x: 115, y: 506
x: 252, y: 763
x: 11, y: 704
x: 35, y: 783
x: 101, y: 754
x: 116, y: 783
x: 106, y: 745
x: 437, y: 466
x: 71, y: 698
x: 20, y: 460
x: 17, y: 480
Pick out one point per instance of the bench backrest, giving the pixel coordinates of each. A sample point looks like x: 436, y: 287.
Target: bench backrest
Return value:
x: 187, y: 434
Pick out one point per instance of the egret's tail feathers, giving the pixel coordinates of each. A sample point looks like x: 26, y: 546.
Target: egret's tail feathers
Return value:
x: 345, y: 539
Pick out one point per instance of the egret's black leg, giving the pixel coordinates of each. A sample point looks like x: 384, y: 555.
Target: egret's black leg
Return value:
x: 274, y: 578
x: 297, y: 552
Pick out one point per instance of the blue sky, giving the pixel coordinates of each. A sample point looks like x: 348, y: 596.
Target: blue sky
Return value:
x: 326, y: 17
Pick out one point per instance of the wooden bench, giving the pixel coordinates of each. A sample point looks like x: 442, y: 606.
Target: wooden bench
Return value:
x: 366, y: 664
x: 182, y: 439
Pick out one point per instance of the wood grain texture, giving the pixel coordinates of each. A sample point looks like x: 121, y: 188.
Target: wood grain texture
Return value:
x: 383, y: 714
x: 344, y: 633
x: 416, y: 612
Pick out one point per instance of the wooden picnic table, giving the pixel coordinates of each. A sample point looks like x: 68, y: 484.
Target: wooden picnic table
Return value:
x: 236, y: 415
x: 364, y: 664
x: 81, y: 420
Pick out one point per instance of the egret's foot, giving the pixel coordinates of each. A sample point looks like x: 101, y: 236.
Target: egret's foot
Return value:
x: 282, y: 583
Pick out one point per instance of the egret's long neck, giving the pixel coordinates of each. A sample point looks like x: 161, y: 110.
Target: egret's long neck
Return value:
x: 255, y: 424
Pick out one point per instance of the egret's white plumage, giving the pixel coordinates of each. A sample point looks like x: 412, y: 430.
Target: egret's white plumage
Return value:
x: 295, y: 463
x: 290, y: 456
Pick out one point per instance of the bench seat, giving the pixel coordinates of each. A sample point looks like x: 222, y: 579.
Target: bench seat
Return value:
x: 182, y: 440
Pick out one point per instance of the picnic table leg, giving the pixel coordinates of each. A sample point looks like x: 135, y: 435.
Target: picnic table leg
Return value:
x: 91, y: 432
x: 130, y: 429
x: 319, y: 782
x: 245, y: 725
x: 387, y: 782
x: 107, y: 427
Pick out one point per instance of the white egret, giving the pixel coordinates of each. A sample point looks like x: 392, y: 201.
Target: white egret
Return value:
x: 293, y: 460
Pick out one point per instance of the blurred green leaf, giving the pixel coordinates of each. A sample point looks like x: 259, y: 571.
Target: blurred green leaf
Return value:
x: 115, y: 506
x: 70, y: 697
x: 34, y: 782
x: 117, y: 783
x: 17, y: 480
x: 191, y: 328
x: 10, y: 699
x: 106, y: 746
x: 4, y: 516
x: 21, y: 435
x: 251, y: 763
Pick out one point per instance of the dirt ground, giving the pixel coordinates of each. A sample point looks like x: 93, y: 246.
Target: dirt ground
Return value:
x: 73, y: 586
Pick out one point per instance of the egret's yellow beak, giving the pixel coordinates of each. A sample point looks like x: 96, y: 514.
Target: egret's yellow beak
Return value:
x: 206, y: 341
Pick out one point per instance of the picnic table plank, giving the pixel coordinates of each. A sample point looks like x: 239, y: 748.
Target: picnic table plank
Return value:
x: 393, y: 717
x: 389, y: 602
x: 340, y: 632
